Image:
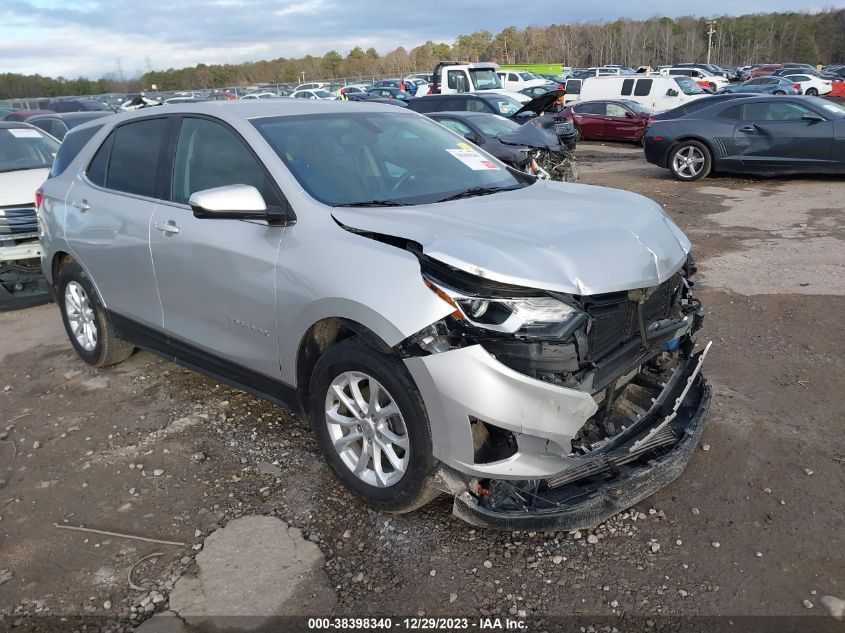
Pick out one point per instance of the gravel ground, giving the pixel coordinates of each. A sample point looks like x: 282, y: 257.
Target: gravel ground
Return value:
x: 752, y: 531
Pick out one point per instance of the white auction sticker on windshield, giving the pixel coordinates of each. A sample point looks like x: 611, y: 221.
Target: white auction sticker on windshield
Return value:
x: 22, y: 132
x: 473, y: 159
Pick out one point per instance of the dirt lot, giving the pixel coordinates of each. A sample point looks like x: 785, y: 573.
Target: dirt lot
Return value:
x: 754, y: 527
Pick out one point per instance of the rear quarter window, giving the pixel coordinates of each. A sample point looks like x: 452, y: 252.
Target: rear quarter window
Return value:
x: 73, y: 143
x: 627, y: 87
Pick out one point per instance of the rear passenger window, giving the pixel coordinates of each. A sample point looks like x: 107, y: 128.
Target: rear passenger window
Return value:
x: 627, y: 86
x: 70, y: 148
x: 476, y: 105
x: 134, y: 157
x: 643, y: 87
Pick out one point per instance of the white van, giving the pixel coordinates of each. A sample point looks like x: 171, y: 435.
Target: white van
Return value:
x: 652, y: 91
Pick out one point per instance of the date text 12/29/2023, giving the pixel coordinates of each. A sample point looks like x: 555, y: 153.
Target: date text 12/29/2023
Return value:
x: 416, y: 624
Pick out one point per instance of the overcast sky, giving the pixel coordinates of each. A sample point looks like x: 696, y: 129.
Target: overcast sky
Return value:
x: 96, y: 37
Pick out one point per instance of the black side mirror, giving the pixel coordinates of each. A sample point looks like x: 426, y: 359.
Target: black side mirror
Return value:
x: 671, y: 92
x: 629, y: 114
x: 812, y: 118
x: 472, y: 138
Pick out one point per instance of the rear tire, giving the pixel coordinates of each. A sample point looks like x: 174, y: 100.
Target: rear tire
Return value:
x: 86, y: 321
x: 690, y: 161
x: 780, y: 93
x: 350, y: 372
x: 812, y: 92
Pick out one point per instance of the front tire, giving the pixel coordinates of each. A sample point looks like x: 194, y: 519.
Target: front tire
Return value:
x: 372, y: 426
x: 86, y: 321
x: 690, y: 161
x: 780, y: 93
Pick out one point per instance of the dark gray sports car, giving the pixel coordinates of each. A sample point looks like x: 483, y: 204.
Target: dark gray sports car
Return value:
x: 766, y: 134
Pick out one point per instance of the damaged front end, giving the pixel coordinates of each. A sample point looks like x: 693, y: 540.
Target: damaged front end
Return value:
x: 22, y: 283
x: 577, y: 407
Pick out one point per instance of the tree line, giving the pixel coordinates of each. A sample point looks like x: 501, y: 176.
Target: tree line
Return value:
x: 774, y: 37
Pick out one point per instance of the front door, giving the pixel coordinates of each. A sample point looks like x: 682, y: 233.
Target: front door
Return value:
x: 774, y: 133
x: 621, y: 124
x: 217, y: 278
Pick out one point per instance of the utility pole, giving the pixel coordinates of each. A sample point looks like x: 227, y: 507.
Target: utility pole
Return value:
x: 710, y: 32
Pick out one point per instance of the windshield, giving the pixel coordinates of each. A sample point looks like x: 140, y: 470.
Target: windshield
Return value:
x: 485, y: 79
x: 688, y: 86
x: 322, y: 94
x: 504, y: 104
x: 380, y: 158
x: 527, y: 76
x: 25, y: 148
x: 494, y: 126
x: 835, y: 110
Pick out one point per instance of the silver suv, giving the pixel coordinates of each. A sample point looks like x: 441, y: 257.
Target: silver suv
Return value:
x: 445, y: 323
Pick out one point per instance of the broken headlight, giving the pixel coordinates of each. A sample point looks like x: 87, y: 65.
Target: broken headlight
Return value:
x: 534, y: 317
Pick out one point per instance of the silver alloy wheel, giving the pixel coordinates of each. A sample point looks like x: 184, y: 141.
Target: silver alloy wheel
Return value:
x: 80, y: 316
x: 367, y: 429
x: 688, y: 161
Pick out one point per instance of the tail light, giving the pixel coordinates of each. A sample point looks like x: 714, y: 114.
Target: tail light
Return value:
x: 797, y: 87
x: 39, y: 196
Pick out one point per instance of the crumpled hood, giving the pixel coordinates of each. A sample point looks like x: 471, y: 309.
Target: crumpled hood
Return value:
x: 563, y: 237
x: 18, y: 187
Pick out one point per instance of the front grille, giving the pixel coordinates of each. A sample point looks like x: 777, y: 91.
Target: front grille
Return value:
x: 564, y: 128
x: 18, y: 219
x: 615, y: 320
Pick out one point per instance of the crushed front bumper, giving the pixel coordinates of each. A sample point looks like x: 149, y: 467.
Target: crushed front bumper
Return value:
x: 586, y: 502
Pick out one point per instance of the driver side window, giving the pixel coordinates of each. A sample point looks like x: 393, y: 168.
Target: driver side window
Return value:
x: 209, y: 155
x: 614, y: 109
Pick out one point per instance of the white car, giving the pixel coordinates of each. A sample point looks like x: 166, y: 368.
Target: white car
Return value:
x: 26, y: 154
x: 313, y: 94
x: 812, y: 86
x: 311, y: 86
x: 261, y: 95
x: 701, y: 76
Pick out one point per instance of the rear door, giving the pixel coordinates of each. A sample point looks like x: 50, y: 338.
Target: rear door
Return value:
x: 217, y: 278
x: 773, y: 133
x: 108, y: 218
x: 589, y: 117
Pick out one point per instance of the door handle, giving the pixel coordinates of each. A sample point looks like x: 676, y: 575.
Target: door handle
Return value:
x: 81, y: 205
x: 168, y: 227
x: 748, y: 128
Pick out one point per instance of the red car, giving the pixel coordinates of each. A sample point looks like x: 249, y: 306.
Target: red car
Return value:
x: 764, y: 70
x: 23, y: 115
x: 617, y: 120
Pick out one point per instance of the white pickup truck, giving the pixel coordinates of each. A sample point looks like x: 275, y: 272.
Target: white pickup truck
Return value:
x: 513, y: 79
x: 455, y: 77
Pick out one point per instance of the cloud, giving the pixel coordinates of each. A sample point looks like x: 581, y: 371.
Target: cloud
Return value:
x: 87, y: 37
